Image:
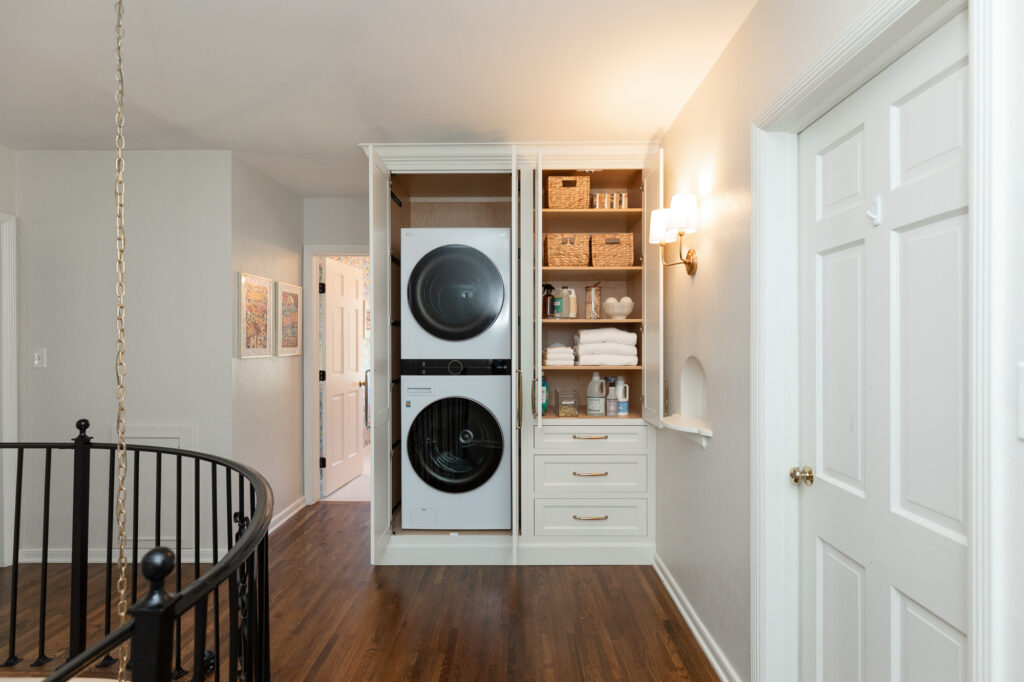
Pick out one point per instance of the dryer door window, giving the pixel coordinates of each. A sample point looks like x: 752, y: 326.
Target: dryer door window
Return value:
x: 455, y: 292
x: 455, y: 445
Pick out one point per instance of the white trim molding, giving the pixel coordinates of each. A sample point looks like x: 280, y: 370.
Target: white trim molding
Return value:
x: 283, y: 516
x: 8, y: 375
x: 703, y: 636
x: 880, y: 36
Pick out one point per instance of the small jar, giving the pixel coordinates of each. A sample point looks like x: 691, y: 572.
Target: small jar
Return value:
x: 592, y: 302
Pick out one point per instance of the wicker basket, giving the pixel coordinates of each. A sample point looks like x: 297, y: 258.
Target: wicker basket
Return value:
x: 614, y: 250
x: 568, y: 191
x: 565, y: 250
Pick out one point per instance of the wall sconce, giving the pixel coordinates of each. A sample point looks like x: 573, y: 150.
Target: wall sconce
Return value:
x: 670, y: 224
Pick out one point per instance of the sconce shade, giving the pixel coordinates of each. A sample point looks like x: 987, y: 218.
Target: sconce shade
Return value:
x: 684, y: 213
x: 661, y: 231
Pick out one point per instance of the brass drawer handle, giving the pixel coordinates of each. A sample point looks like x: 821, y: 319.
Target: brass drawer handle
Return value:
x: 577, y: 436
x: 590, y: 518
x: 590, y: 473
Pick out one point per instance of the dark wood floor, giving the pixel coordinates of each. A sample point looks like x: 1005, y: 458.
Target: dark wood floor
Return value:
x: 336, y: 617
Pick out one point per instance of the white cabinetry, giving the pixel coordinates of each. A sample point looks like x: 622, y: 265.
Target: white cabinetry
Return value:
x: 582, y: 488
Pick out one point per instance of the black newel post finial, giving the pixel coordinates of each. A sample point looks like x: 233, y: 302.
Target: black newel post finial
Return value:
x: 154, y: 620
x: 80, y: 539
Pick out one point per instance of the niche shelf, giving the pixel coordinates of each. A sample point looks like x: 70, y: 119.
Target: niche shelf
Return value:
x: 691, y: 419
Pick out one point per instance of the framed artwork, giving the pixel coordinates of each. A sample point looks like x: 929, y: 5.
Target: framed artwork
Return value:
x: 255, y: 312
x: 289, y: 319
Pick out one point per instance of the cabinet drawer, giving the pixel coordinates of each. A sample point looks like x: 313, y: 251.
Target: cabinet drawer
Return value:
x: 610, y: 439
x: 590, y: 517
x: 560, y: 474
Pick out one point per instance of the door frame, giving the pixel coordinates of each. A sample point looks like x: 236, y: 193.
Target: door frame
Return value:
x: 8, y: 377
x: 881, y: 35
x: 310, y: 338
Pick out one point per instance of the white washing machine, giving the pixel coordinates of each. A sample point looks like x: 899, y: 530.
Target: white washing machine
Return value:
x: 456, y: 296
x: 456, y: 460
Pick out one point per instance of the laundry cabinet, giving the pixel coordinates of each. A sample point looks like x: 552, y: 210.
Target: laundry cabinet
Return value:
x: 580, y: 489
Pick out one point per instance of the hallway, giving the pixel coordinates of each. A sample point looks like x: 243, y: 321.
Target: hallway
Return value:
x: 336, y: 617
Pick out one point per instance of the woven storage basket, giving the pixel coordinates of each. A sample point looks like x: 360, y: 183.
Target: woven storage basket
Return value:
x: 568, y: 191
x: 614, y: 250
x: 569, y: 249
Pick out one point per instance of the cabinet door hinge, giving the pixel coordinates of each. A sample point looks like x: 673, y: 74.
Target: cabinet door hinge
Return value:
x: 323, y: 375
x: 323, y: 462
x: 323, y: 287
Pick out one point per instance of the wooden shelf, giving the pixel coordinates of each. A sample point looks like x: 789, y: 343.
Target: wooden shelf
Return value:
x: 591, y: 368
x: 580, y: 320
x: 589, y: 272
x: 592, y: 211
x: 634, y: 414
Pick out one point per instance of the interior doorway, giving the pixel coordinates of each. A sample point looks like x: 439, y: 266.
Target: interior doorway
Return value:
x: 343, y: 359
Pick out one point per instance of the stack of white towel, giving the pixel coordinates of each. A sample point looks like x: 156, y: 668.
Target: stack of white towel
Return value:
x: 557, y: 355
x: 606, y: 346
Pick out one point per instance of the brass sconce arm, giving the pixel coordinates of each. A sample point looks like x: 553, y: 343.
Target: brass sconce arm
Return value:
x: 689, y: 260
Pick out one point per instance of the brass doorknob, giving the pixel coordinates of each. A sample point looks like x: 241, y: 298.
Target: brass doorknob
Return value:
x: 804, y: 474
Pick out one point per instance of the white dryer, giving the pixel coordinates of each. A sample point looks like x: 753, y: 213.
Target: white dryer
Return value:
x: 456, y: 459
x: 456, y: 295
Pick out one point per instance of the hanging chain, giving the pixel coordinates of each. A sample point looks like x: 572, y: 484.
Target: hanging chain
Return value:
x: 122, y: 450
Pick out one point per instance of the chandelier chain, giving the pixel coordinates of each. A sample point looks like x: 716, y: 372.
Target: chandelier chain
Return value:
x: 120, y: 367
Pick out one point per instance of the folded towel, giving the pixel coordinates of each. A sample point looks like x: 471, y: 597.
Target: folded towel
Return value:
x: 557, y: 346
x: 554, y: 352
x: 558, y: 362
x: 606, y: 335
x: 608, y: 360
x: 606, y: 349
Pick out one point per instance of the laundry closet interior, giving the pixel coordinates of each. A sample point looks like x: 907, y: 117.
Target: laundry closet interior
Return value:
x: 483, y: 448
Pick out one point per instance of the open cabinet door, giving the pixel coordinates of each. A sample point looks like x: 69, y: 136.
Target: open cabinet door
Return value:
x: 380, y: 376
x: 654, y: 305
x: 517, y: 365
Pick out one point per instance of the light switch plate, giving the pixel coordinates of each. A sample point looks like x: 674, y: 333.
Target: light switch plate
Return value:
x: 39, y: 358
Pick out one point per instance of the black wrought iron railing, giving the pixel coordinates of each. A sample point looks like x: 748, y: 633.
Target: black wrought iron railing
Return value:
x: 214, y: 512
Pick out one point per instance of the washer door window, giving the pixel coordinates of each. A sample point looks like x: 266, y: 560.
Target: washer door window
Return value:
x: 455, y: 292
x: 455, y: 445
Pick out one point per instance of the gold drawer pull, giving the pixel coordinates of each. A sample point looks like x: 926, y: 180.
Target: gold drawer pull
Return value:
x: 590, y: 518
x: 590, y: 473
x: 577, y: 436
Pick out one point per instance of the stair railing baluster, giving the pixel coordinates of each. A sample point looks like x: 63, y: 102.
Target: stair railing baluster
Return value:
x: 216, y: 558
x: 43, y: 659
x: 109, y: 660
x: 12, y: 659
x: 178, y: 670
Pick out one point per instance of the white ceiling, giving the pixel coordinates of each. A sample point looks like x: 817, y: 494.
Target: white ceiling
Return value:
x: 294, y: 85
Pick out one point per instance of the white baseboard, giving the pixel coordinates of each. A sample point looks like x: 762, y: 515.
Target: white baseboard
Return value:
x: 711, y: 649
x: 98, y: 555
x: 282, y: 516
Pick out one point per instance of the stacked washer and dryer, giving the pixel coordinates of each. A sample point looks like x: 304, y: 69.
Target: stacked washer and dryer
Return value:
x: 456, y: 409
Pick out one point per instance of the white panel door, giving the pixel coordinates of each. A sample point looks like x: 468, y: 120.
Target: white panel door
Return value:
x: 343, y: 386
x: 654, y: 303
x: 380, y: 376
x: 883, y: 282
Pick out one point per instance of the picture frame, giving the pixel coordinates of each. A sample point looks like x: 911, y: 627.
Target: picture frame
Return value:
x: 288, y: 303
x: 255, y: 316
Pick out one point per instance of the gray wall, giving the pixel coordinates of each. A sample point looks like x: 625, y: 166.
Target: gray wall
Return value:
x: 703, y: 497
x: 336, y: 221
x: 179, y: 301
x: 266, y: 423
x: 7, y: 180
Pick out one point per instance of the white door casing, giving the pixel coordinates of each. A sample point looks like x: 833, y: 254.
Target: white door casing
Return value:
x: 342, y: 388
x: 380, y: 325
x: 884, y: 404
